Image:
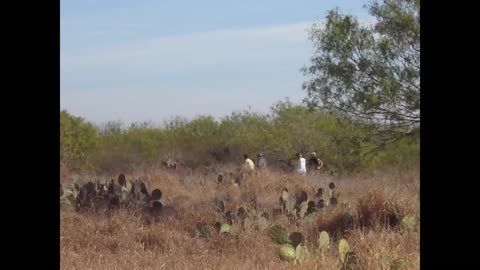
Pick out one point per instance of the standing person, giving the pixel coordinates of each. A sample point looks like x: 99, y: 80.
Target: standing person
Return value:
x: 261, y: 161
x: 302, y: 164
x: 249, y: 165
x: 315, y: 162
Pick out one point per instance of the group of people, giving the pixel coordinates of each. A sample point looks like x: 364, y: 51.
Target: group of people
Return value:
x: 250, y: 165
x: 261, y: 164
x: 313, y: 161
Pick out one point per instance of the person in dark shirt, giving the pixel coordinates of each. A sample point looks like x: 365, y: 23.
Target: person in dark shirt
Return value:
x: 315, y: 162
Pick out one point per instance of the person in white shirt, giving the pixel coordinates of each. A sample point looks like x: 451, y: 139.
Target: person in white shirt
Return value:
x: 302, y: 164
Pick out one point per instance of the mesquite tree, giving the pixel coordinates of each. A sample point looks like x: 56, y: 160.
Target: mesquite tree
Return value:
x: 369, y: 72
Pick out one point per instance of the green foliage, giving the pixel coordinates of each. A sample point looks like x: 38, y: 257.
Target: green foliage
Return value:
x: 404, y: 154
x: 370, y: 74
x: 288, y: 129
x: 77, y: 139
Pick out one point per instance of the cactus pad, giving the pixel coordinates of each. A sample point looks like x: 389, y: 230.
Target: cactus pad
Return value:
x: 343, y: 249
x: 324, y: 240
x: 287, y: 253
x: 278, y: 234
x: 408, y: 223
x: 296, y: 238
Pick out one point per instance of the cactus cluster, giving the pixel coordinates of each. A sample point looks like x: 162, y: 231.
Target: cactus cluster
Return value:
x: 292, y: 248
x: 245, y: 217
x: 208, y: 230
x: 288, y: 252
x: 100, y: 197
x: 232, y: 220
x: 256, y: 218
x: 332, y: 195
x: 299, y: 206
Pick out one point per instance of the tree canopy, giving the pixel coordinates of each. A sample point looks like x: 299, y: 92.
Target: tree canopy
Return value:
x: 369, y: 73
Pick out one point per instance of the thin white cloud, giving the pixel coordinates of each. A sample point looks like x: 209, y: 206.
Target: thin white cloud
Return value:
x: 188, y: 51
x: 192, y: 51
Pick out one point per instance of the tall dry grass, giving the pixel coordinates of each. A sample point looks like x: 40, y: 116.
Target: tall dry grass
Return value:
x: 124, y: 241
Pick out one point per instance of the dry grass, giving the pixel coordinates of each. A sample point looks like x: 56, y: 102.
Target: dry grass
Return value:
x: 123, y: 241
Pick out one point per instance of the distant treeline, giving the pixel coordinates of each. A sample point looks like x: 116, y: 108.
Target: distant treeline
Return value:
x: 288, y: 128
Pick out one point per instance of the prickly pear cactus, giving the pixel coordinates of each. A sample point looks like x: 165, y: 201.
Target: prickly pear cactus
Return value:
x: 408, y: 224
x: 206, y: 231
x: 350, y: 261
x: 290, y: 206
x: 303, y: 210
x: 300, y: 253
x: 225, y: 228
x: 343, y: 249
x: 333, y: 201
x: 278, y: 234
x: 324, y: 240
x: 296, y: 239
x: 287, y: 253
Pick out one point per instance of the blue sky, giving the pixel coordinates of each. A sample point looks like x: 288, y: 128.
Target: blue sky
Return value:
x: 135, y: 61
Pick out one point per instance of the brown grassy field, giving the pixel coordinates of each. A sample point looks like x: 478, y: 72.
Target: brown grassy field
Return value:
x: 125, y: 241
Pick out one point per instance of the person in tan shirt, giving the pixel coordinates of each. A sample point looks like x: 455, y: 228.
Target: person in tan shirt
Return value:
x: 249, y: 165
